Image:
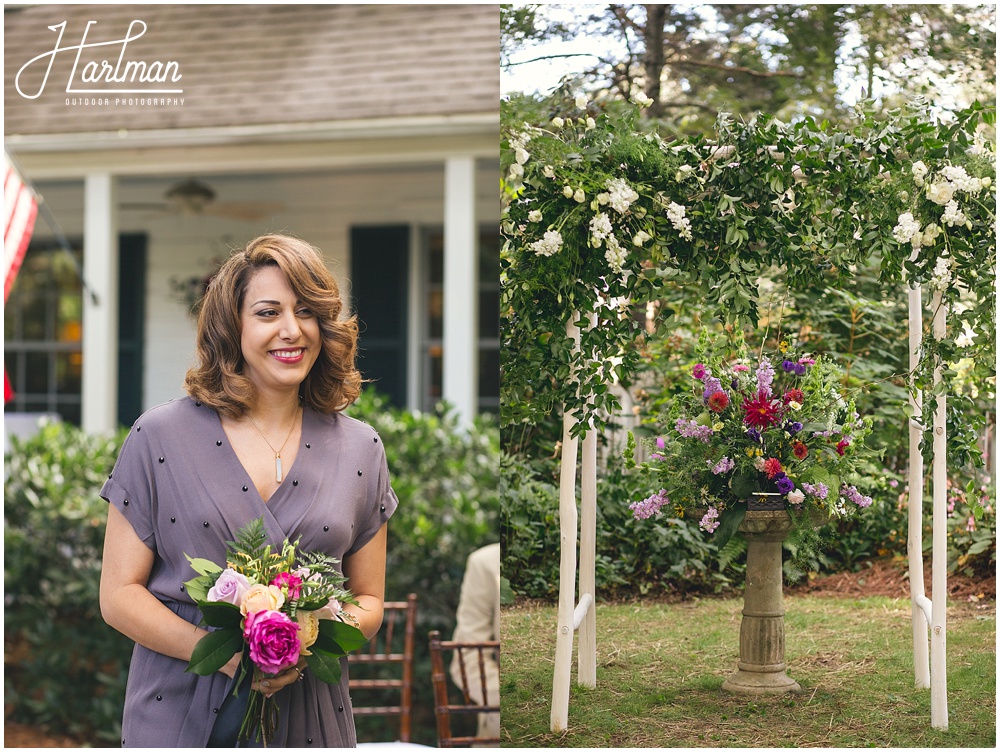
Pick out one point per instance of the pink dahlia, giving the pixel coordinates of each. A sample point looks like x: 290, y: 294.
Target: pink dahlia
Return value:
x: 772, y: 467
x: 761, y: 411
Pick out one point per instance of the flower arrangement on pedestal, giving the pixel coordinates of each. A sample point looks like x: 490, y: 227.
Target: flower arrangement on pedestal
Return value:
x: 777, y: 425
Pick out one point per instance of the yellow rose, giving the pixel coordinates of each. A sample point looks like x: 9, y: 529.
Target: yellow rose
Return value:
x: 308, y: 629
x: 262, y: 598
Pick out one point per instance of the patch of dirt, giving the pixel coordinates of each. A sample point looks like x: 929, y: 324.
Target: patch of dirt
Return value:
x: 19, y: 735
x: 890, y: 578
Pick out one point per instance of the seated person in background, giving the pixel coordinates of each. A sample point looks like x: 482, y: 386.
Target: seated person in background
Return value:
x: 478, y: 620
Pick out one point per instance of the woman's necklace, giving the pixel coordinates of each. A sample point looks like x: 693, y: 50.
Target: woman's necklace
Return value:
x: 277, y: 452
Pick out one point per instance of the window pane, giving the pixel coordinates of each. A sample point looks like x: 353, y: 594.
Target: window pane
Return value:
x: 489, y: 314
x: 489, y: 373
x: 36, y: 374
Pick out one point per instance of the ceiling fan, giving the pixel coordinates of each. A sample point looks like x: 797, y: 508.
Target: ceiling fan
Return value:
x: 192, y: 197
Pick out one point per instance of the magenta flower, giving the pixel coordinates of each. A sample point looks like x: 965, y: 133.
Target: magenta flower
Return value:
x: 760, y: 411
x: 290, y: 583
x: 273, y: 639
x: 699, y: 371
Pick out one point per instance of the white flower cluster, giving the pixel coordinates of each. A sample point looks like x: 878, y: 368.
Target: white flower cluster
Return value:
x: 550, y: 244
x: 600, y: 228
x: 941, y: 276
x: 615, y: 254
x: 953, y: 215
x: 907, y: 230
x: 675, y: 213
x: 518, y: 142
x: 619, y: 196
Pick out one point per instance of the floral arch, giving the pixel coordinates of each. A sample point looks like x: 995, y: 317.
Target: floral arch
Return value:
x: 600, y: 217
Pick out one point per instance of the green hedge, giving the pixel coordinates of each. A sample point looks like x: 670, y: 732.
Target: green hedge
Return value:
x: 66, y: 669
x: 666, y: 555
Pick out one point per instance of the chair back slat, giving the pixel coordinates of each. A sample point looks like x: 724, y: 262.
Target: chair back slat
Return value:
x: 382, y: 651
x: 444, y: 709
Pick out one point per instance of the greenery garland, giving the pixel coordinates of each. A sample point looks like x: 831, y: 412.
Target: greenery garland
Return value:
x: 601, y: 218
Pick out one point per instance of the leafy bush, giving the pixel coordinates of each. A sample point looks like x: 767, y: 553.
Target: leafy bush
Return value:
x: 656, y: 555
x: 446, y: 480
x: 66, y: 669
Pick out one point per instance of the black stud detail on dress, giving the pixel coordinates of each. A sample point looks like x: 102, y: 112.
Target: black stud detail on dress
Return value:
x: 308, y: 446
x: 359, y: 473
x: 215, y: 710
x: 376, y: 439
x: 205, y: 523
x: 197, y: 404
x: 382, y: 508
x: 340, y: 709
x: 218, y: 442
x: 138, y: 428
x: 159, y: 698
x: 126, y: 502
x: 295, y: 483
x: 161, y: 460
x: 110, y: 476
x: 173, y: 519
x: 309, y: 741
x: 326, y: 528
x: 245, y: 489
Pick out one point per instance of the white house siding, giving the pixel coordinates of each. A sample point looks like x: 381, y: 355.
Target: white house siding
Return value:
x: 320, y: 207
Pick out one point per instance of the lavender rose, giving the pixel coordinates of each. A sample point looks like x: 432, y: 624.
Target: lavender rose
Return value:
x: 229, y: 588
x: 273, y: 639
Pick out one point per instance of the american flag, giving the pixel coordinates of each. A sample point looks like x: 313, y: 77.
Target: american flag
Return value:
x: 19, y: 211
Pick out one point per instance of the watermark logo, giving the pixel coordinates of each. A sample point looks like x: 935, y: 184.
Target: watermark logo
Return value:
x: 115, y: 76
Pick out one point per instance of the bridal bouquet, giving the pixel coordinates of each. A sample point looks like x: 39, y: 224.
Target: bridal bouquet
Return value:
x: 779, y: 426
x: 273, y: 606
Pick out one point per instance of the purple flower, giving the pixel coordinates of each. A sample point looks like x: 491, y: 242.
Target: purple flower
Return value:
x: 765, y: 375
x: 850, y: 493
x: 800, y: 369
x: 689, y: 429
x: 712, y: 385
x: 788, y: 365
x: 643, y: 510
x: 710, y: 521
x: 785, y: 485
x: 660, y: 444
x: 229, y: 588
x: 722, y: 466
x: 753, y: 434
x: 819, y: 490
x: 793, y: 428
x: 699, y: 371
x: 273, y: 639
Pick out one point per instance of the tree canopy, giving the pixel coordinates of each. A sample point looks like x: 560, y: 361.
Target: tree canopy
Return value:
x: 697, y: 60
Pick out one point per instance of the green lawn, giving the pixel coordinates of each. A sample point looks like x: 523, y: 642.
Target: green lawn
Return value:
x: 661, y: 666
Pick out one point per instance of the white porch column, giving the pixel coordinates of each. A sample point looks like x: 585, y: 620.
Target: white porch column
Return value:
x: 100, y: 320
x: 461, y: 310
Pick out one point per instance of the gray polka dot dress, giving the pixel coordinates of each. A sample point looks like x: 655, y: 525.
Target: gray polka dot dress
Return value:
x: 184, y: 491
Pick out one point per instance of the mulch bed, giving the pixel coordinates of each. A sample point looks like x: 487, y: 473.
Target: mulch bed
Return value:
x: 890, y: 578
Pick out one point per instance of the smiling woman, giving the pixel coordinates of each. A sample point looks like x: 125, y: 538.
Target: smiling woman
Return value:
x: 260, y: 435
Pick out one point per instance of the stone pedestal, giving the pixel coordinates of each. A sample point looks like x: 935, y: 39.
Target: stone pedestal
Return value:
x: 762, y: 633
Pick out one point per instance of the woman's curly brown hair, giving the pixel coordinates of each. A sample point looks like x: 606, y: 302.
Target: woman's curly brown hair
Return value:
x: 332, y: 384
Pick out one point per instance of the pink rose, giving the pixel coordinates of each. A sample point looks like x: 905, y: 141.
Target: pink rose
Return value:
x: 290, y: 583
x: 229, y: 588
x: 273, y: 639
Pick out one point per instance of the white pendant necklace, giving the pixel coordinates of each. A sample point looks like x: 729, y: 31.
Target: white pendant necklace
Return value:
x: 277, y: 452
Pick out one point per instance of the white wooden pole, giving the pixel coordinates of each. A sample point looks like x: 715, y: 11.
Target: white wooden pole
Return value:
x: 939, y: 550
x: 559, y: 718
x: 461, y: 364
x: 919, y: 612
x: 586, y: 671
x: 99, y: 387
